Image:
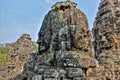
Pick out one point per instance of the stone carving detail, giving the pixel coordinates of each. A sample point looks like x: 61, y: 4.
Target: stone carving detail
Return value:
x: 64, y: 40
x: 65, y: 45
x: 107, y: 37
x: 17, y: 57
x: 63, y: 28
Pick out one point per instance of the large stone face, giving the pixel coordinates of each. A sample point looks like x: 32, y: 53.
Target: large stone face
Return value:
x: 65, y: 46
x: 17, y: 57
x: 65, y: 27
x: 107, y: 27
x: 107, y: 37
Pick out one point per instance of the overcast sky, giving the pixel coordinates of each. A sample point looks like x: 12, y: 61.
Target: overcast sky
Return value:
x: 26, y: 16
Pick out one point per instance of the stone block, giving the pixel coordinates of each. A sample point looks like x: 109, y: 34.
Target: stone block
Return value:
x: 74, y: 72
x: 80, y: 78
x: 37, y: 77
x: 51, y: 73
x: 87, y: 62
x: 71, y: 63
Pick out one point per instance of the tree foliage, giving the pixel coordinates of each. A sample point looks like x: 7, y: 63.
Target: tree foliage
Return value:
x: 3, y: 53
x: 4, y: 49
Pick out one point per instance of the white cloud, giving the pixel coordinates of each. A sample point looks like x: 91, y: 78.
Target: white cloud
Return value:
x: 48, y: 1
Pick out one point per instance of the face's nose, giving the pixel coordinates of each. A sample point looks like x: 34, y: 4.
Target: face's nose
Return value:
x: 103, y: 38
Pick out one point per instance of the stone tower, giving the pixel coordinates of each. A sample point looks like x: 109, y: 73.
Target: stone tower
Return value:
x: 65, y: 47
x: 106, y: 34
x: 107, y: 27
x: 65, y: 27
x: 17, y: 57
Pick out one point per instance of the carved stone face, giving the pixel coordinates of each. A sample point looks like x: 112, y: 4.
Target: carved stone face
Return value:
x: 106, y: 41
x: 69, y: 36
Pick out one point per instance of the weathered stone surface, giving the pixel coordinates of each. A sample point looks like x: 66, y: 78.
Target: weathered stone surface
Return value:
x: 87, y: 62
x: 37, y: 77
x: 65, y: 45
x: 64, y: 38
x: 51, y: 73
x: 91, y: 72
x: 106, y: 34
x: 74, y: 72
x: 65, y: 27
x: 79, y: 78
x: 17, y: 57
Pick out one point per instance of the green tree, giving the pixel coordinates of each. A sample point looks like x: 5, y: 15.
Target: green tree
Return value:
x: 3, y: 53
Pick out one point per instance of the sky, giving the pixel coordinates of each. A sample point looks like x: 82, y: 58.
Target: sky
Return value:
x: 26, y: 16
